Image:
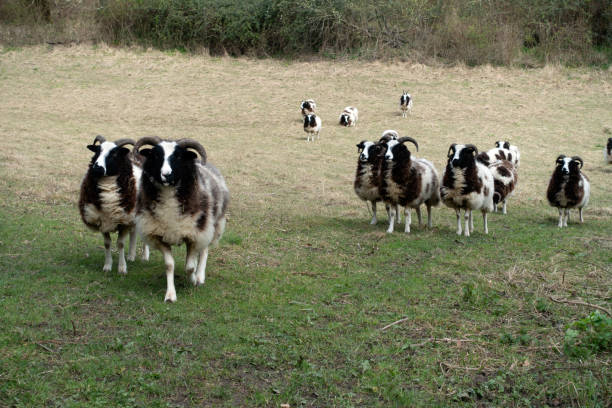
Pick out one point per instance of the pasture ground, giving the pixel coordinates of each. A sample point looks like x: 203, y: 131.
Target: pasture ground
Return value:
x: 299, y: 289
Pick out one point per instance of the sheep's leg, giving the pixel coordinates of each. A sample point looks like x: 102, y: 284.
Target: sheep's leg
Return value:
x: 418, y: 211
x: 399, y: 214
x: 494, y: 207
x: 566, y: 220
x: 560, y: 225
x: 458, y: 213
x: 122, y: 266
x: 201, y: 272
x: 467, y: 216
x: 132, y: 251
x: 374, y: 220
x: 471, y: 222
x: 580, y: 212
x: 392, y: 212
x: 145, y: 252
x: 484, y: 219
x: 169, y: 261
x: 504, y: 211
x: 191, y: 262
x: 108, y: 258
x: 429, y: 220
x: 407, y: 219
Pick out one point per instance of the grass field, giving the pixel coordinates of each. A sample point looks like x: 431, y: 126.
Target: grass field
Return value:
x: 301, y: 286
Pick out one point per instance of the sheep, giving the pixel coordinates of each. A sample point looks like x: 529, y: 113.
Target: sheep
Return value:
x: 405, y: 103
x: 349, y: 116
x: 408, y: 182
x: 308, y: 107
x: 182, y: 199
x: 505, y: 178
x: 515, y: 156
x: 568, y: 188
x: 108, y: 196
x: 467, y: 184
x: 312, y: 126
x: 389, y: 134
x: 368, y: 177
x: 501, y: 152
x: 608, y: 151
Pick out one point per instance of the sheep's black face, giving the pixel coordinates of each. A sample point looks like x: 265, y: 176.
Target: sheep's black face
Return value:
x: 344, y: 120
x: 306, y: 105
x: 568, y: 165
x: 371, y: 152
x: 502, y: 145
x: 108, y: 159
x: 168, y: 164
x: 462, y: 156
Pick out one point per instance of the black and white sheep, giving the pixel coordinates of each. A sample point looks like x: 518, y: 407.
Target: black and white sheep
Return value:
x: 515, y: 154
x: 608, y: 151
x: 505, y: 179
x: 568, y: 188
x: 389, y: 134
x: 408, y: 182
x: 368, y: 177
x: 312, y: 126
x: 108, y: 197
x: 405, y: 103
x: 349, y: 116
x: 467, y: 184
x: 183, y: 199
x: 308, y: 107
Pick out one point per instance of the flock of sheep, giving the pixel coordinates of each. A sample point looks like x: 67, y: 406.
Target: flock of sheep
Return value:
x: 171, y: 195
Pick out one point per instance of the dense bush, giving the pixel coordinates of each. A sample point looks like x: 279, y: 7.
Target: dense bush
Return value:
x: 475, y: 32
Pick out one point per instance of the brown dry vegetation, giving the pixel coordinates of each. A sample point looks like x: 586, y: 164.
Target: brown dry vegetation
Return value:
x: 54, y: 100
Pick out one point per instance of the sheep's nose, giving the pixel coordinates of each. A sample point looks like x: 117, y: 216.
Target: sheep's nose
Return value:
x: 97, y: 171
x: 455, y: 162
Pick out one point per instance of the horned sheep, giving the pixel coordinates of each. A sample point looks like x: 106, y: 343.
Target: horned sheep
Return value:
x: 568, y: 188
x: 182, y: 199
x: 312, y: 126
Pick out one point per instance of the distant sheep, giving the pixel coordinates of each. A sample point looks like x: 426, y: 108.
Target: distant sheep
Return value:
x: 467, y: 184
x: 515, y: 156
x: 308, y: 107
x: 312, y: 126
x: 505, y: 179
x: 405, y: 103
x: 408, y: 182
x: 107, y: 201
x: 608, y: 151
x: 568, y: 188
x: 349, y: 116
x: 389, y: 134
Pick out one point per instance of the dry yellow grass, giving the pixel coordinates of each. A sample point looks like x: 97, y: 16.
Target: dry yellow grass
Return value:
x: 245, y: 112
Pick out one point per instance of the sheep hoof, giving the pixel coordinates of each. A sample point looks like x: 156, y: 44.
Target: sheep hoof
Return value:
x: 193, y: 278
x: 107, y: 268
x: 374, y: 221
x: 122, y: 270
x: 170, y: 297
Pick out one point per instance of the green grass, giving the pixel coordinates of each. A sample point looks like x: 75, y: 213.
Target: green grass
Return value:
x: 301, y: 286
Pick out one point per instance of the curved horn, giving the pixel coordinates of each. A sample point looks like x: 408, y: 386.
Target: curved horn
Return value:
x: 408, y: 139
x: 124, y: 141
x: 385, y: 139
x: 192, y: 144
x: 578, y: 159
x: 473, y: 147
x: 147, y: 140
x: 451, y: 148
x: 100, y: 139
x: 561, y: 156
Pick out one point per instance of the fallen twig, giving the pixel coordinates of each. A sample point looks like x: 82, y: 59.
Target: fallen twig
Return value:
x: 45, y: 347
x: 581, y: 303
x: 394, y: 323
x: 442, y: 340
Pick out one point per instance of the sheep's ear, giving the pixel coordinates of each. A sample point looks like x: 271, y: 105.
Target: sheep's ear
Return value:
x: 123, y: 151
x: 94, y: 148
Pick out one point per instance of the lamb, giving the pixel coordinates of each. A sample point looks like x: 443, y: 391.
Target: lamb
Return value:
x: 405, y: 103
x: 312, y: 126
x: 107, y: 201
x: 349, y: 116
x: 568, y: 188
x: 308, y: 107
x: 182, y: 199
x: 467, y: 184
x: 515, y: 157
x: 608, y: 151
x: 408, y: 182
x: 505, y: 179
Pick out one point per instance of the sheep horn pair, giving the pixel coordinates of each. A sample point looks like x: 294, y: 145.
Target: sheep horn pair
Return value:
x: 100, y: 139
x: 125, y: 141
x: 408, y: 139
x: 192, y: 144
x: 578, y: 159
